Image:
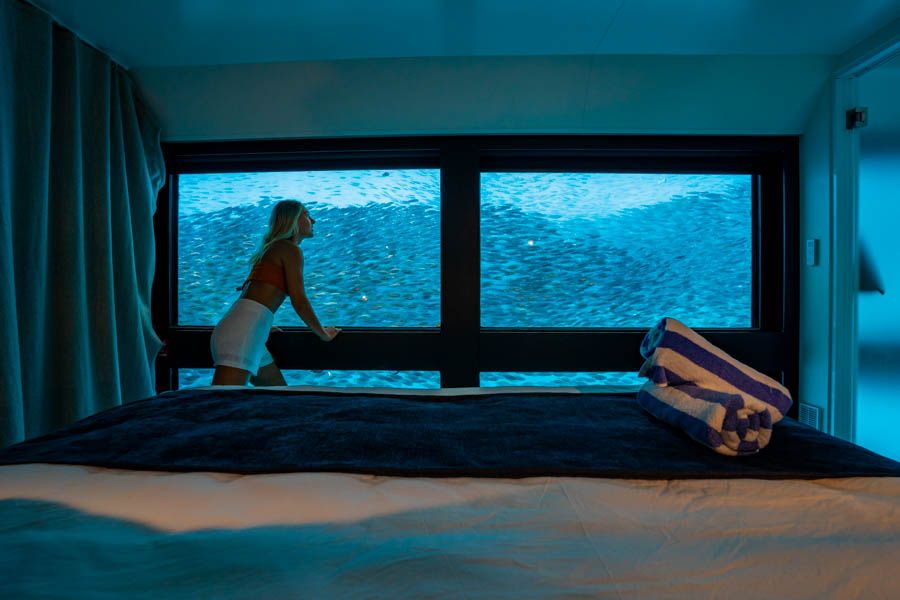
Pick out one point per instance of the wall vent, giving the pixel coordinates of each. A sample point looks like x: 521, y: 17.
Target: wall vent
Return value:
x: 810, y: 415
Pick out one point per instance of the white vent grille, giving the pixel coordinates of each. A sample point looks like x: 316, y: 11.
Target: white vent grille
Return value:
x: 810, y: 415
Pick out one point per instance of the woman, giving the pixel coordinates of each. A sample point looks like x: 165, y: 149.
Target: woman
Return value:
x: 238, y: 341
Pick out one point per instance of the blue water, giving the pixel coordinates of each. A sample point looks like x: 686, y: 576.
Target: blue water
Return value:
x: 395, y: 379
x: 557, y: 250
x: 494, y: 379
x: 375, y: 260
x: 424, y: 379
x: 615, y: 250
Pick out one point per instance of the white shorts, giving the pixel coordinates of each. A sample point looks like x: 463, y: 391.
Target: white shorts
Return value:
x: 239, y: 340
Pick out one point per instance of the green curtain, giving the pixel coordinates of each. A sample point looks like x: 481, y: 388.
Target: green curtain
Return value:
x: 80, y: 169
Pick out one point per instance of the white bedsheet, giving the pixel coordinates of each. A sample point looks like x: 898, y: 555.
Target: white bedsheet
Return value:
x: 85, y: 532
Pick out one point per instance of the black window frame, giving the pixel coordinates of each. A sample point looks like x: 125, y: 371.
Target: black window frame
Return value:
x: 460, y: 349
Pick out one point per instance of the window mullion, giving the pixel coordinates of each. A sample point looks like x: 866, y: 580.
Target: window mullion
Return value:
x: 460, y: 264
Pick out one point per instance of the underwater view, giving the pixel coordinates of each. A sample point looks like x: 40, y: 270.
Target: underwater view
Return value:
x: 557, y: 250
x: 425, y: 379
x: 615, y: 250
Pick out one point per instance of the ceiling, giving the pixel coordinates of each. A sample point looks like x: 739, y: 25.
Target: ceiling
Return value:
x: 167, y: 33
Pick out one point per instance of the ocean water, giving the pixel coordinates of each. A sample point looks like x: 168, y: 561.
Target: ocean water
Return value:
x: 332, y: 378
x: 424, y: 379
x: 374, y: 260
x: 624, y: 251
x: 557, y: 249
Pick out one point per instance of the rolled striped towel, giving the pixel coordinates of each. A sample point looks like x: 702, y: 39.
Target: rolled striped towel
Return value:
x: 727, y: 423
x: 677, y: 355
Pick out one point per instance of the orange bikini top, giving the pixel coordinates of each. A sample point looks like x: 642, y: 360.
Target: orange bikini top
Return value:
x: 268, y: 272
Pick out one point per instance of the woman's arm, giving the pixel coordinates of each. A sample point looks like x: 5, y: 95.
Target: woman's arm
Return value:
x: 293, y: 268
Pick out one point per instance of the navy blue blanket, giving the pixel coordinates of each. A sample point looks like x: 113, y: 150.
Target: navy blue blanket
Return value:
x: 498, y: 435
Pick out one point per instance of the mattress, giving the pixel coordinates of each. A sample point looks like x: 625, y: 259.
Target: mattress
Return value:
x: 74, y: 530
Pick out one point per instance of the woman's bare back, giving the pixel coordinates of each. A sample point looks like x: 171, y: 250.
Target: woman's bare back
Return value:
x: 267, y: 294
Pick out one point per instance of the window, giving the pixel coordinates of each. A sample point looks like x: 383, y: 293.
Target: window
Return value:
x: 563, y: 379
x: 490, y: 260
x: 333, y: 378
x: 616, y: 249
x: 358, y: 270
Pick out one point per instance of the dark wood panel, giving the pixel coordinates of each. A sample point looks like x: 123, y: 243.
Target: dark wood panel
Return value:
x: 301, y: 349
x: 510, y: 350
x: 611, y: 350
x: 460, y: 265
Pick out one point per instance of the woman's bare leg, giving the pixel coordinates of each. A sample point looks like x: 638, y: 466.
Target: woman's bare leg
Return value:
x: 268, y: 375
x: 230, y: 376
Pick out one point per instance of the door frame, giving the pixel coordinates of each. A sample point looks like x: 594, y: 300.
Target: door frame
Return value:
x: 844, y: 208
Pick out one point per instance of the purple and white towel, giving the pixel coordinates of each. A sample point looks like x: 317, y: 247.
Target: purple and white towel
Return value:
x: 677, y: 355
x: 727, y: 423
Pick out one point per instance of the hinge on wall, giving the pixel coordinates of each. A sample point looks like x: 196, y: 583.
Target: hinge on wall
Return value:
x: 857, y: 117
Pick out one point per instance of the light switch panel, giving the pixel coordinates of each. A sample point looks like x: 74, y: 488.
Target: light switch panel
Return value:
x: 812, y: 253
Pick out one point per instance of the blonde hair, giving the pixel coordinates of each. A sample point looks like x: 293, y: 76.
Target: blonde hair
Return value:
x: 282, y: 226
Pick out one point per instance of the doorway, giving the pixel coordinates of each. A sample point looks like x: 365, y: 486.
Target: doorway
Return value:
x: 878, y: 250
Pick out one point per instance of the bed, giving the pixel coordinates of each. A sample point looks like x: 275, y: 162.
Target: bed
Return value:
x: 470, y: 493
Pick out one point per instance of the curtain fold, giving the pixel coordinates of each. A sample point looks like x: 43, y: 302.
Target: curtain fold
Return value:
x: 80, y: 169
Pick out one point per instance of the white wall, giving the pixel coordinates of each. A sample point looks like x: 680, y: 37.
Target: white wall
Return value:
x: 815, y: 281
x: 563, y: 94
